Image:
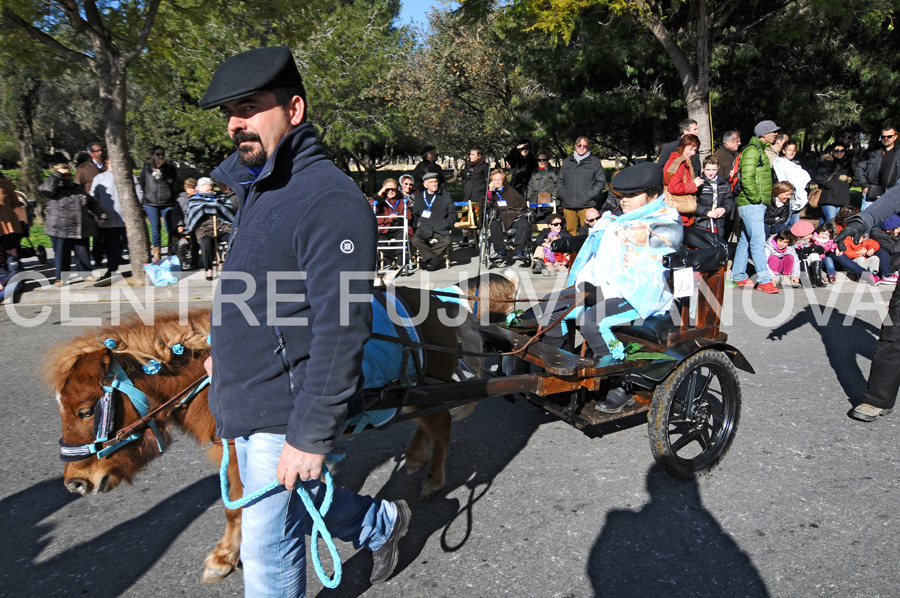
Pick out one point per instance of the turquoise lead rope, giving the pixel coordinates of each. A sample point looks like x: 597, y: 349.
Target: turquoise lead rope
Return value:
x: 318, y: 528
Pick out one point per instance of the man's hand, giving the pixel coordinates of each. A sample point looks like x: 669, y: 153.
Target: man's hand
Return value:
x: 207, y: 365
x: 717, y: 213
x: 854, y: 228
x: 294, y: 464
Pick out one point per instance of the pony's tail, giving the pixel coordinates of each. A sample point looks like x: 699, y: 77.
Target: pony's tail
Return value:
x: 470, y: 341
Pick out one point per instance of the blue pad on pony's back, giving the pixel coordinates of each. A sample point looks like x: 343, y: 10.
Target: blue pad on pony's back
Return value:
x: 384, y: 361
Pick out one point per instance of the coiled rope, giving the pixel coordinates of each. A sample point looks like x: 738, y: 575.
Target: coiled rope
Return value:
x: 318, y: 528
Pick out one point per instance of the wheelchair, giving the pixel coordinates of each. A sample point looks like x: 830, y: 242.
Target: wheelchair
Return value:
x: 509, y: 236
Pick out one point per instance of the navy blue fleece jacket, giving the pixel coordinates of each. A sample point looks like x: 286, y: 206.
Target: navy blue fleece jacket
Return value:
x: 287, y: 356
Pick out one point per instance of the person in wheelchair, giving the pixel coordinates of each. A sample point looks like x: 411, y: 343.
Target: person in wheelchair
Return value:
x: 618, y: 275
x: 510, y: 211
x: 209, y: 217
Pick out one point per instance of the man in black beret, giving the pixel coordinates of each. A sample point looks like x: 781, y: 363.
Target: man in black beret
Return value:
x: 286, y: 341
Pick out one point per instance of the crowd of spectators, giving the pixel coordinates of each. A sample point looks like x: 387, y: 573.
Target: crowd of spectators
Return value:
x: 759, y: 195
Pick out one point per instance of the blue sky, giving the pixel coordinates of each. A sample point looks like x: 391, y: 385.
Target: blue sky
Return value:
x: 416, y: 10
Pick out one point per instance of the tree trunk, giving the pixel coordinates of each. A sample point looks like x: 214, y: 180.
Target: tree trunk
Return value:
x: 694, y: 78
x: 697, y: 100
x: 111, y: 73
x: 20, y: 96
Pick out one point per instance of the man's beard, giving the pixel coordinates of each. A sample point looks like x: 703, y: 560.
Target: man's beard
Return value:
x: 249, y: 156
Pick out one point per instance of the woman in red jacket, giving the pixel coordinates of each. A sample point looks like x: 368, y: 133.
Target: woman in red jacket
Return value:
x: 682, y: 184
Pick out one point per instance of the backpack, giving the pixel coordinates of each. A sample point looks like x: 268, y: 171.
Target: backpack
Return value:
x: 734, y: 176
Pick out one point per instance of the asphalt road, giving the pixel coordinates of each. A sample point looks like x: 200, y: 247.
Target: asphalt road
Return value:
x: 804, y: 504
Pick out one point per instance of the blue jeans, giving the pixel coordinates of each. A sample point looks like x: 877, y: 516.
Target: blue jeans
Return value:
x: 828, y: 213
x: 273, y: 529
x: 154, y: 213
x: 865, y: 203
x: 828, y: 263
x: 751, y: 244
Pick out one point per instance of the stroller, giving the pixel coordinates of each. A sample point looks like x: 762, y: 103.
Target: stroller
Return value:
x: 30, y: 250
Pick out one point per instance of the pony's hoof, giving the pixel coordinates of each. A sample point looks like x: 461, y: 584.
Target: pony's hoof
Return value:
x: 216, y: 569
x: 430, y: 488
x: 413, y: 466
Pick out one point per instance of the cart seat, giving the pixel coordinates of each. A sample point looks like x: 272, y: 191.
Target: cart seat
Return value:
x: 655, y: 329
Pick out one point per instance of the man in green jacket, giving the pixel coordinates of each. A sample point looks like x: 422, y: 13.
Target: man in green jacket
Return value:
x: 755, y: 195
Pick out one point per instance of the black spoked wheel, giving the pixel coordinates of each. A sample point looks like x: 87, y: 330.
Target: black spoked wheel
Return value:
x: 694, y: 415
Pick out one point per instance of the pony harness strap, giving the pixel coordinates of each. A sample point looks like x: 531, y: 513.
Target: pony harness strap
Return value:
x: 105, y: 415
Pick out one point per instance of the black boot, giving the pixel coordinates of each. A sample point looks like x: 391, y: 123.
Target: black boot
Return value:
x: 815, y: 274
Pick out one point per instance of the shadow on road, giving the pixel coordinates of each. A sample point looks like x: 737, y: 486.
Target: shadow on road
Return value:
x: 102, y: 566
x: 842, y: 345
x: 481, y: 446
x: 671, y: 547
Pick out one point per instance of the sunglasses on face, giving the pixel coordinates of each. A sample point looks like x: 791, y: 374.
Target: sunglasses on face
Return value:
x: 96, y: 150
x: 838, y: 151
x: 581, y: 145
x: 543, y: 160
x: 590, y: 220
x: 888, y: 136
x: 160, y: 155
x: 556, y: 224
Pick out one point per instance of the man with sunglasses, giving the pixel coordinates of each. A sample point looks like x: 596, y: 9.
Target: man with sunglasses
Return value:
x: 880, y: 169
x: 590, y: 217
x: 94, y: 165
x: 580, y: 182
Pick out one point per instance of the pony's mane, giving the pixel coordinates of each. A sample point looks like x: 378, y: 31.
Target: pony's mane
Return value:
x: 132, y: 337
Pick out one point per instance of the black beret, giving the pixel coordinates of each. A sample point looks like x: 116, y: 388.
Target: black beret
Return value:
x: 252, y: 71
x: 637, y: 178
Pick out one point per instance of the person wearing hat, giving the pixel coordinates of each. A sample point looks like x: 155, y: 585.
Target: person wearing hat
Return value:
x: 809, y: 254
x: 69, y: 221
x: 522, y: 165
x: 433, y: 218
x: 428, y: 164
x: 286, y: 340
x: 619, y: 267
x: 752, y: 201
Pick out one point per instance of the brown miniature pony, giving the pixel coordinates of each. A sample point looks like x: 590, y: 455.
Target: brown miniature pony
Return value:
x: 78, y: 370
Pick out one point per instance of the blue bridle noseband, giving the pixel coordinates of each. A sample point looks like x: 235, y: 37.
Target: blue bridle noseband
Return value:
x: 104, y: 417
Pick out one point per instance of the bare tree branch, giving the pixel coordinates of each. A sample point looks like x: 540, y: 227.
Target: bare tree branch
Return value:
x: 660, y: 32
x: 149, y: 19
x: 17, y: 22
